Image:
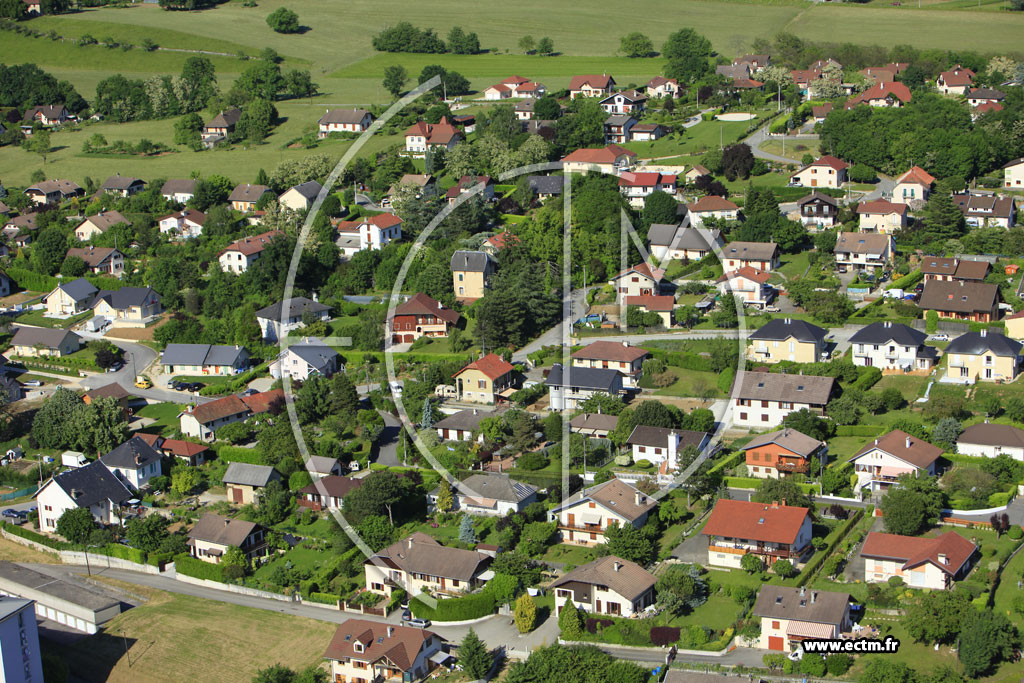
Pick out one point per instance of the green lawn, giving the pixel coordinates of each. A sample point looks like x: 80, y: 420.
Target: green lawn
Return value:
x: 909, y: 385
x: 718, y: 613
x: 700, y: 138
x: 794, y: 265
x: 791, y: 149
x: 689, y: 381
x: 39, y: 319
x: 165, y: 414
x: 299, y: 557
x: 842, y: 448
x: 568, y: 554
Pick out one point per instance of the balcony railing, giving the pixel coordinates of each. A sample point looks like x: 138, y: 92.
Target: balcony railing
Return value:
x: 590, y: 529
x: 745, y: 550
x: 793, y: 467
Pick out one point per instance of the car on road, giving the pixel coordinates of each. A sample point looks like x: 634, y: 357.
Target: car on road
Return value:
x: 940, y: 337
x: 249, y: 392
x: 772, y: 309
x: 406, y: 615
x: 142, y: 382
x: 419, y: 623
x: 11, y: 513
x: 33, y: 383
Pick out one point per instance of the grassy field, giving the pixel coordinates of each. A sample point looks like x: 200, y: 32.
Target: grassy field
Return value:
x: 15, y: 552
x: 165, y: 414
x: 197, y: 640
x: 909, y: 385
x: 794, y: 149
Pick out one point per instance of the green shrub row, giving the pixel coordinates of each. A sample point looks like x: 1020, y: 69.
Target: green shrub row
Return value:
x: 323, y: 598
x: 36, y: 537
x: 464, y: 608
x: 37, y: 282
x: 725, y: 380
x: 907, y: 281
x: 730, y: 461
x: 869, y: 377
x: 156, y: 558
x: 122, y: 552
x: 242, y: 381
x: 190, y: 566
x: 819, y: 558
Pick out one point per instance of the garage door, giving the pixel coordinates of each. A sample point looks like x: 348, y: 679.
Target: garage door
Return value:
x: 776, y: 643
x: 410, y: 338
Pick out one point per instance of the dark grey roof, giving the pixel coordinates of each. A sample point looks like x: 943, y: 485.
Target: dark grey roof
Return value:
x: 314, y: 352
x: 131, y: 454
x: 343, y: 116
x: 201, y: 354
x: 475, y: 261
x: 309, y: 189
x: 882, y: 332
x: 599, y: 379
x: 43, y: 336
x: 785, y: 602
x: 765, y: 386
x: 975, y: 343
x: 299, y: 305
x: 64, y: 589
x: 818, y: 196
x: 79, y: 290
x: 126, y: 297
x: 657, y: 437
x: 464, y: 420
x: 547, y: 184
x: 662, y: 234
x: 779, y: 329
x: 119, y: 182
x: 249, y: 475
x: 93, y: 483
x: 989, y: 434
x: 496, y: 486
x: 179, y: 186
x: 618, y: 120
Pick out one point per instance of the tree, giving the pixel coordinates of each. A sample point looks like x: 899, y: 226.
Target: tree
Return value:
x: 282, y: 674
x: 526, y: 44
x: 751, y: 563
x: 784, y: 568
x: 395, y: 78
x: 629, y: 543
x: 636, y: 44
x: 843, y: 410
x: 547, y: 108
x: 467, y: 534
x: 462, y: 43
x: 808, y: 423
x: 376, y: 531
x: 198, y: 83
x: 381, y: 491
x: 274, y: 502
x: 187, y: 130
x: 660, y: 207
x: 473, y: 656
x: 444, y: 497
x: 937, y: 616
x: 881, y: 669
x: 452, y: 82
x: 51, y: 425
x: 737, y: 162
x: 39, y: 143
x: 725, y: 316
x: 258, y: 117
x: 987, y: 638
x: 687, y: 54
x: 942, y: 217
x: 570, y: 623
x: 184, y: 479
x: 545, y: 46
x: 526, y: 613
x: 283, y: 20
x: 681, y: 589
x: 76, y: 525
x: 812, y: 664
x: 779, y: 490
x: 147, y: 533
x: 946, y: 433
x: 517, y: 565
x: 903, y: 512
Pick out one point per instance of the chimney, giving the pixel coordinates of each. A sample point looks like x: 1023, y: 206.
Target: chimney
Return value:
x: 617, y: 566
x: 391, y: 631
x: 803, y: 591
x: 814, y: 596
x: 408, y: 543
x: 789, y: 321
x: 639, y: 498
x: 775, y: 504
x: 943, y: 559
x: 783, y: 502
x: 626, y: 344
x: 876, y: 442
x: 908, y: 442
x: 984, y: 332
x: 227, y: 521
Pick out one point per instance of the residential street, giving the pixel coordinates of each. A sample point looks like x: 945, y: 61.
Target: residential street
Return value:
x: 553, y: 336
x: 387, y: 449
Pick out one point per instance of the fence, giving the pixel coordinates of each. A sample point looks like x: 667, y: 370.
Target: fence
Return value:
x: 942, y: 326
x: 18, y: 494
x: 362, y: 609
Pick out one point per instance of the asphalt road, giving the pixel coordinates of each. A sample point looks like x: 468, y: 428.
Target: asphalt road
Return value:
x: 553, y: 337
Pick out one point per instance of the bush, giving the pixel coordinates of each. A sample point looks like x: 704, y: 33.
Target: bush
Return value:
x: 123, y: 552
x: 36, y: 537
x: 455, y: 609
x: 190, y: 566
x: 324, y: 598
x: 837, y: 665
x: 1015, y: 532
x: 532, y: 461
x: 283, y: 20
x: 643, y: 464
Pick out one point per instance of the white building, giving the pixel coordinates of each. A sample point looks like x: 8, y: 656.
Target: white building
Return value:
x: 134, y: 463
x: 187, y: 223
x: 764, y: 399
x: 567, y: 390
x: 936, y: 562
x: 890, y: 346
x: 584, y: 516
x: 989, y: 440
x: 790, y: 615
x: 663, y: 446
x: 20, y: 660
x: 771, y: 531
x: 240, y: 254
x: 881, y: 463
x: 608, y: 585
x: 273, y: 328
x: 92, y: 487
x: 369, y: 233
x: 305, y: 358
x: 491, y: 495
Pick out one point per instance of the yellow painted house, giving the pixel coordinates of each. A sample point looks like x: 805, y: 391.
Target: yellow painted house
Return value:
x: 471, y: 274
x: 787, y: 339
x: 983, y: 357
x: 484, y: 380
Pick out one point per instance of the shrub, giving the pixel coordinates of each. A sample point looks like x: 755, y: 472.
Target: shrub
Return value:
x: 532, y: 461
x: 643, y: 464
x: 455, y: 609
x: 837, y: 665
x: 664, y: 635
x: 190, y: 566
x: 1015, y: 532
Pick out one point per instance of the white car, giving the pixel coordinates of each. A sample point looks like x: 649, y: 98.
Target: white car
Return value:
x: 396, y: 388
x: 940, y: 337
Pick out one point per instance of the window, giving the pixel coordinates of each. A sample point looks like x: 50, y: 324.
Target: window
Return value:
x: 460, y: 277
x: 743, y: 416
x: 775, y: 624
x: 764, y: 417
x: 481, y: 384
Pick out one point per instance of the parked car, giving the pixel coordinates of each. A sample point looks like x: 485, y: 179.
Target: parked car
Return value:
x: 249, y: 392
x: 193, y: 386
x: 11, y: 513
x: 940, y: 337
x: 33, y: 383
x: 419, y: 623
x: 406, y: 615
x: 772, y: 309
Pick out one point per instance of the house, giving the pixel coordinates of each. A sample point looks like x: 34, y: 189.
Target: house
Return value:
x: 696, y: 172
x: 892, y: 347
x: 425, y: 185
x: 755, y: 62
x: 914, y: 185
x: 618, y: 128
x: 566, y: 391
x: 134, y: 463
x: 820, y: 112
x: 492, y: 495
x: 771, y: 531
x: 882, y: 94
x: 245, y: 197
x: 712, y: 206
x: 54, y: 191
x: 608, y: 585
x: 485, y: 380
x: 220, y: 126
x: 19, y: 632
x: 179, y: 190
x: 273, y: 328
x: 786, y: 339
x: 471, y: 274
x: 418, y: 563
x: 778, y: 454
x: 187, y: 223
x: 818, y: 210
x: 300, y: 197
x: 756, y: 255
x: 99, y: 224
x: 327, y: 493
x: 583, y: 516
x: 1015, y: 325
x: 47, y: 114
x: 985, y: 108
x: 1013, y: 173
x: 213, y: 534
x: 664, y: 447
x: 750, y: 285
x: 826, y: 171
x: 882, y: 216
x: 238, y: 256
x: 421, y: 136
x: 659, y: 86
x: 29, y: 342
x: 988, y: 440
x: 935, y: 563
x: 306, y: 358
x: 467, y: 184
x: 862, y: 251
x: 421, y: 316
x: 667, y: 241
x: 320, y: 466
x: 983, y: 356
x: 502, y: 240
x: 99, y: 260
x: 733, y: 71
x: 982, y: 210
x: 372, y: 232
x: 188, y: 453
x: 203, y: 359
x: 804, y: 80
x: 662, y: 305
x: 627, y: 360
x: 514, y: 86
x: 747, y: 84
x: 956, y: 81
x: 611, y: 159
x: 202, y: 421
x: 70, y: 298
x: 640, y: 280
x: 625, y: 102
x: 880, y: 464
x: 524, y: 109
x: 591, y: 85
x: 92, y: 487
x: 244, y: 480
x: 343, y: 121
x: 979, y: 96
x: 594, y: 425
x: 462, y: 425
x: 764, y: 398
x: 636, y: 186
x: 961, y: 300
x: 790, y: 615
x: 128, y: 306
x: 114, y: 391
x: 363, y: 650
x: 647, y: 132
x: 121, y: 185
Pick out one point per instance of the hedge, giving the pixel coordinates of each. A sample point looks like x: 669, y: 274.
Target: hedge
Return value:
x: 123, y: 552
x: 999, y: 499
x: 250, y: 456
x: 190, y: 566
x: 728, y: 462
x: 907, y: 281
x: 36, y: 537
x: 812, y: 567
x: 37, y: 282
x: 725, y: 380
x: 468, y: 607
x: 156, y: 558
x: 869, y: 377
x: 323, y: 598
x: 859, y: 430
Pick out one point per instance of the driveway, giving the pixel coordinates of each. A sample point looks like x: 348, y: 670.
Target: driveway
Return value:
x: 854, y: 570
x: 693, y: 550
x: 387, y: 446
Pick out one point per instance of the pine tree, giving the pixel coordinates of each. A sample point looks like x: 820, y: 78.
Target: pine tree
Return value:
x: 942, y: 216
x: 467, y: 534
x: 428, y: 414
x: 473, y: 656
x: 526, y: 613
x: 570, y: 623
x: 444, y: 497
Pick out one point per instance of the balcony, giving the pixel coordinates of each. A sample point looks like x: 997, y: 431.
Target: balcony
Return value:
x: 793, y: 467
x: 589, y: 528
x: 778, y: 553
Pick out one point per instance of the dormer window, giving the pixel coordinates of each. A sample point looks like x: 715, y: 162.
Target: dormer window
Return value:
x: 357, y: 646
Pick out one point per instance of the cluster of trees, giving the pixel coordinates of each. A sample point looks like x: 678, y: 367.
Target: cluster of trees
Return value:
x: 123, y: 99
x: 283, y: 20
x: 65, y: 421
x: 404, y: 37
x: 545, y: 46
x: 574, y: 664
x: 26, y: 85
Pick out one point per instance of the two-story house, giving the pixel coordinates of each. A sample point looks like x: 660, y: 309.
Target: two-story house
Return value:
x: 54, y: 191
x: 422, y: 136
x: 880, y: 464
x: 636, y: 186
x: 186, y: 223
x: 245, y: 197
x: 99, y: 260
x: 887, y: 94
x: 471, y: 274
x: 491, y: 495
x: 372, y: 232
x: 913, y: 186
x: 213, y: 534
x: 786, y: 339
x: 243, y: 481
x: 364, y: 651
x: 628, y: 360
x: 749, y: 285
x: 985, y: 209
x: 70, y: 298
x: 818, y: 210
x: 220, y: 126
x: 756, y: 255
x: 485, y: 380
x: 305, y: 358
x: 956, y: 81
x: 418, y: 562
x: 934, y: 562
x: 782, y: 453
x: 772, y: 531
x: 128, y: 306
x: 893, y: 347
x: 134, y: 462
x: 639, y: 280
x: 203, y: 421
x: 983, y: 357
x: 1013, y: 173
x: 462, y: 425
x: 864, y: 251
x: 668, y: 241
x: 583, y: 517
x: 618, y: 128
x: 882, y: 216
x: 664, y: 447
x: 328, y: 492
x: 48, y: 114
x: 827, y: 171
x: 625, y: 102
x: 764, y: 399
x: 343, y: 121
x: 712, y: 206
x: 961, y: 300
x: 659, y: 86
x: 568, y: 389
x: 949, y: 269
x: 300, y: 197
x: 179, y: 190
x: 591, y: 85
x: 611, y: 159
x: 204, y: 359
x: 96, y: 225
x: 608, y: 585
x: 277, y: 320
x: 790, y: 615
x: 238, y: 256
x: 92, y: 487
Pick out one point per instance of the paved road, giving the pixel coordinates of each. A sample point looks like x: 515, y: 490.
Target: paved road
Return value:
x: 754, y: 141
x: 387, y: 450
x: 553, y: 337
x: 366, y: 202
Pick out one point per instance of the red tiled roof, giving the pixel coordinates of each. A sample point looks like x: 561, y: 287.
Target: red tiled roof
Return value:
x: 916, y: 551
x: 957, y: 76
x: 746, y: 83
x: 502, y: 239
x: 399, y: 645
x: 252, y: 245
x: 652, y: 303
x: 492, y: 365
x: 602, y: 81
x: 746, y: 272
x: 657, y: 274
x: 184, y: 449
x: 421, y: 304
x: 748, y: 520
x: 880, y: 206
x: 383, y: 220
x: 881, y: 91
x: 609, y: 350
x: 645, y: 179
x: 600, y: 155
x: 830, y: 161
x: 712, y: 202
x: 986, y: 107
x: 822, y: 111
x: 260, y: 403
x: 916, y: 174
x: 439, y: 133
x: 515, y: 80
